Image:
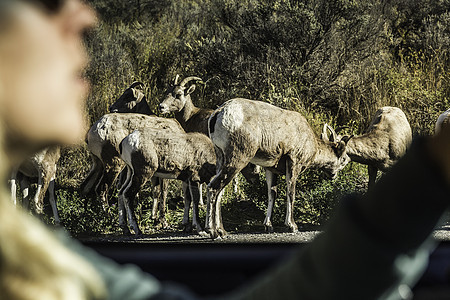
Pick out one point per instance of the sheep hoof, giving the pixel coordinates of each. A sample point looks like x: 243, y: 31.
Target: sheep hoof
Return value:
x: 213, y: 234
x: 268, y: 228
x: 197, y: 228
x: 294, y: 229
x: 125, y: 230
x: 187, y: 228
x: 203, y: 233
x: 222, y: 232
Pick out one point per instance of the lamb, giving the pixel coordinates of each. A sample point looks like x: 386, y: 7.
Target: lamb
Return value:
x: 103, y: 140
x: 40, y: 168
x: 385, y: 141
x: 279, y: 140
x: 149, y: 153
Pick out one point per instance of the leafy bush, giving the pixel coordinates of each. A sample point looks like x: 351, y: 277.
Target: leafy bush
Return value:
x: 335, y: 61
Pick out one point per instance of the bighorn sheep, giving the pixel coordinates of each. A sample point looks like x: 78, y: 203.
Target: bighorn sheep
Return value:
x: 192, y: 118
x: 132, y: 100
x: 149, y: 153
x: 40, y: 168
x: 385, y: 141
x: 443, y: 118
x: 279, y: 140
x: 103, y: 141
x: 178, y: 100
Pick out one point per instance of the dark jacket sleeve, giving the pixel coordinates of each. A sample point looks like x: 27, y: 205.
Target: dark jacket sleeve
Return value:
x: 376, y: 246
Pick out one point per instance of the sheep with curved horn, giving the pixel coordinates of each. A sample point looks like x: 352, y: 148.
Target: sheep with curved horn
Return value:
x: 194, y: 119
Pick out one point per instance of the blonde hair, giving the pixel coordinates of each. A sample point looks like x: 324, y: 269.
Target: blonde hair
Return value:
x: 33, y: 263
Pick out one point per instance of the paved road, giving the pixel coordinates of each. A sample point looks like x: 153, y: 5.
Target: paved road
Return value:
x: 442, y: 234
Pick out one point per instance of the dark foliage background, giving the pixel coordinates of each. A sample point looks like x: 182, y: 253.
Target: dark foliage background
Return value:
x: 336, y: 61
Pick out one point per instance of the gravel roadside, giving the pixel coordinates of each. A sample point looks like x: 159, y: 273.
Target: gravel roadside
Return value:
x: 441, y: 234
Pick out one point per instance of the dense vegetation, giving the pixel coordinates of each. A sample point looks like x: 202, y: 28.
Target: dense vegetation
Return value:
x: 335, y: 61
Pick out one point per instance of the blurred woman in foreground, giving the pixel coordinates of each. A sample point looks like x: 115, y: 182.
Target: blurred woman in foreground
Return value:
x: 41, y: 98
x: 375, y: 248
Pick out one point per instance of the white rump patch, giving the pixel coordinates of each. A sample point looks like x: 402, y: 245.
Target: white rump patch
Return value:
x: 233, y: 117
x: 130, y: 143
x: 102, y: 128
x: 134, y: 138
x: 229, y: 120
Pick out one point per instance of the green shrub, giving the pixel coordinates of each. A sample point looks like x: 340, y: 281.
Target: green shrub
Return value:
x: 334, y: 61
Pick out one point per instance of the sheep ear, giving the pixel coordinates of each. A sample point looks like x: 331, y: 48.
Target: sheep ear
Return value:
x: 138, y: 95
x: 346, y: 138
x: 175, y: 82
x: 191, y: 89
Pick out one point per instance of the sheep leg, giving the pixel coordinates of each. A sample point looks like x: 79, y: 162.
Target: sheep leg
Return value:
x: 121, y: 178
x: 112, y: 170
x: 42, y: 185
x: 235, y: 184
x: 25, y: 187
x: 200, y: 194
x: 155, y: 195
x: 187, y: 207
x: 271, y: 180
x: 52, y: 199
x: 372, y: 176
x: 93, y: 177
x: 13, y: 186
x: 292, y: 172
x: 213, y: 194
x: 194, y: 188
x: 214, y: 223
x: 128, y: 197
x: 229, y: 163
x: 138, y: 178
x: 122, y: 223
x: 164, y: 186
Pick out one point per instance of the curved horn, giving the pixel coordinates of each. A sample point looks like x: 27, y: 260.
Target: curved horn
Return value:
x: 333, y: 133
x: 324, y: 135
x: 176, y: 79
x: 187, y: 79
x: 135, y: 84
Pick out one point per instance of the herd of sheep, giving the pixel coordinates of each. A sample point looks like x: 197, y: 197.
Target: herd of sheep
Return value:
x: 205, y: 146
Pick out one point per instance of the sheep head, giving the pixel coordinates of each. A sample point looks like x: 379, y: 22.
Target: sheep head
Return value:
x: 177, y: 95
x: 132, y: 100
x: 338, y: 144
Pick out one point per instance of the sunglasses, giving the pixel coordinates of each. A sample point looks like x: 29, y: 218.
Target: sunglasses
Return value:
x: 51, y: 6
